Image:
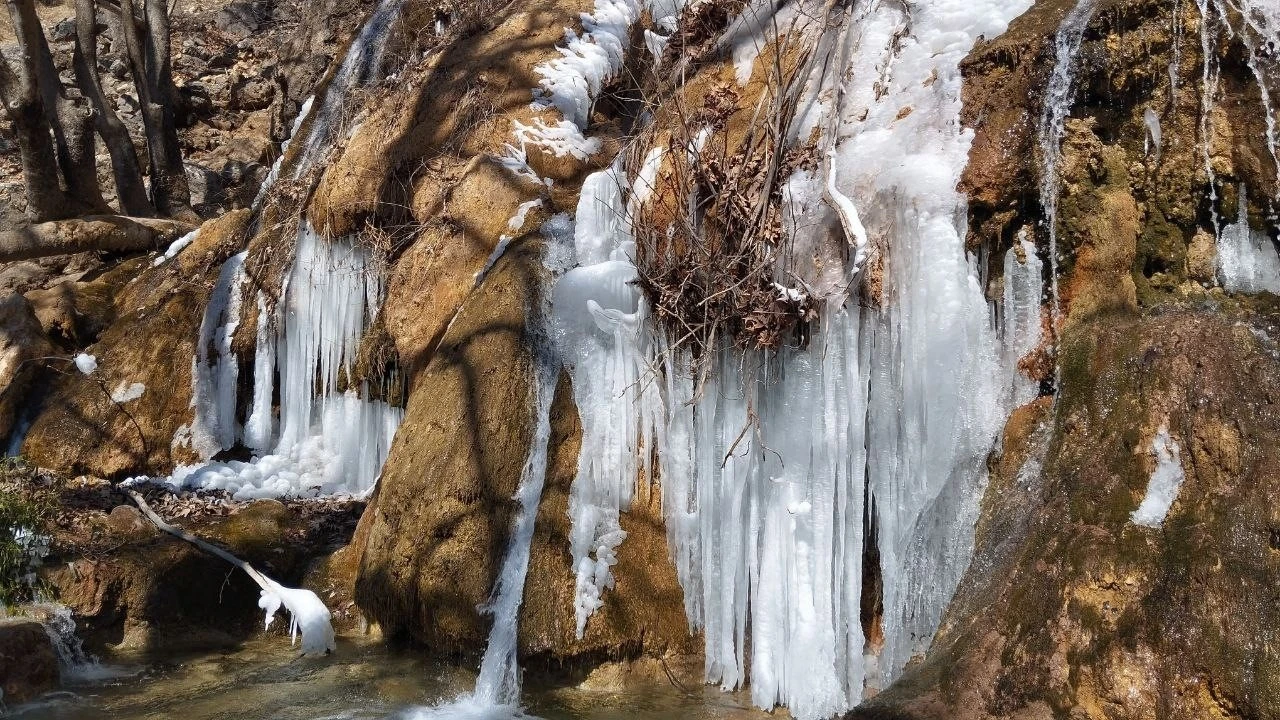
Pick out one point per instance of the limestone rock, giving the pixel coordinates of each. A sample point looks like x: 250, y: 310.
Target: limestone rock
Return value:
x: 22, y: 342
x: 79, y: 428
x: 28, y: 663
x: 1075, y: 609
x: 1202, y: 258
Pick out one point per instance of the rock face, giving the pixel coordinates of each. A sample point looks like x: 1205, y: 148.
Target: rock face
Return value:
x: 1074, y: 610
x: 80, y: 428
x: 434, y: 538
x: 134, y: 588
x: 28, y: 663
x: 22, y: 342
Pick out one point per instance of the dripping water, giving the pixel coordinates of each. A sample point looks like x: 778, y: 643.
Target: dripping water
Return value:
x: 1057, y: 106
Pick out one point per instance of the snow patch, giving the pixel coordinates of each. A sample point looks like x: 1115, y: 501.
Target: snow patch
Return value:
x: 1166, y: 479
x: 126, y: 392
x: 86, y: 363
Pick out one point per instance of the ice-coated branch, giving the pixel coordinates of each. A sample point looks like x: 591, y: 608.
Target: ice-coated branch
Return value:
x: 307, y: 613
x: 854, y: 231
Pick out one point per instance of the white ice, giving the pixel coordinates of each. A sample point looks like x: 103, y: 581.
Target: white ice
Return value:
x: 1166, y: 480
x: 1247, y: 258
x: 308, y: 616
x: 126, y: 392
x: 86, y: 363
x: 176, y: 247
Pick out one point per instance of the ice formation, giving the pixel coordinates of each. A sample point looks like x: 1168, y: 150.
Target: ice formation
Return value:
x: 1166, y: 480
x: 127, y: 392
x: 308, y: 616
x: 86, y: 363
x: 1247, y: 258
x: 176, y: 247
x: 765, y: 473
x: 1023, y: 324
x: 330, y: 436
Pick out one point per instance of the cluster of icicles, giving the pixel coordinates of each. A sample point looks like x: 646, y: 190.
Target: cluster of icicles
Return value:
x: 774, y: 472
x: 781, y: 468
x: 328, y: 437
x: 1247, y: 258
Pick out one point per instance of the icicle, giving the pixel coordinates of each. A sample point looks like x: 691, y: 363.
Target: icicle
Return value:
x: 213, y: 379
x: 1247, y: 259
x: 1021, y: 313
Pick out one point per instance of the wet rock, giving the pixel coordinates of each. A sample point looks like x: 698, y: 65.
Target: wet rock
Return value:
x: 28, y: 663
x: 1202, y: 258
x: 22, y: 343
x: 1073, y: 608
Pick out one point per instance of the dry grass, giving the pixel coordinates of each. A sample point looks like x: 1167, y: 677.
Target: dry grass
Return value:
x: 709, y: 270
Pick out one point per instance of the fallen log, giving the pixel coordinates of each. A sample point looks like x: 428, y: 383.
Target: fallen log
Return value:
x: 307, y: 613
x: 109, y: 233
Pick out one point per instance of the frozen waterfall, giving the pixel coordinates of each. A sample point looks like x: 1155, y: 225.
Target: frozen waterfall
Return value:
x: 767, y: 472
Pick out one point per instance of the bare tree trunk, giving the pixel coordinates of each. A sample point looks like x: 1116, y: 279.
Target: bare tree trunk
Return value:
x: 169, y: 190
x: 72, y: 122
x: 20, y: 90
x: 124, y: 158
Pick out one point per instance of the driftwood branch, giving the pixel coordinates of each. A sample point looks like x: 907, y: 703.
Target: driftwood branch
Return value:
x: 109, y: 233
x: 307, y: 612
x: 202, y: 544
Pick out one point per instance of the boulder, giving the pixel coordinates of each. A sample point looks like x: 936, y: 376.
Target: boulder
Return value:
x: 1073, y: 609
x: 436, y: 534
x: 22, y: 344
x: 28, y: 662
x: 79, y: 428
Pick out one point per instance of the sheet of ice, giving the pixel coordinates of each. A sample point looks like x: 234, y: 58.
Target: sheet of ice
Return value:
x: 126, y: 392
x: 516, y: 223
x: 86, y: 363
x: 1166, y: 480
x: 1247, y: 258
x: 215, y: 370
x: 308, y: 616
x: 176, y: 247
x: 765, y: 471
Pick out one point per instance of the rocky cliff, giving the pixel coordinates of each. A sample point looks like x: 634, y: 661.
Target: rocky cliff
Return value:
x: 1142, y: 194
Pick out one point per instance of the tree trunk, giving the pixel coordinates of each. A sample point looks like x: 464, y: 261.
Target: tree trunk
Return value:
x: 107, y: 233
x: 169, y: 190
x: 19, y: 88
x: 124, y: 158
x: 72, y: 122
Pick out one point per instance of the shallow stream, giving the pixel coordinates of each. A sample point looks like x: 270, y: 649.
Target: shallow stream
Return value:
x: 266, y: 680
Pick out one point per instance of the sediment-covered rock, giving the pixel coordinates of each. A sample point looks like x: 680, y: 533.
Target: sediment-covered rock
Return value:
x: 1072, y: 606
x: 28, y: 662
